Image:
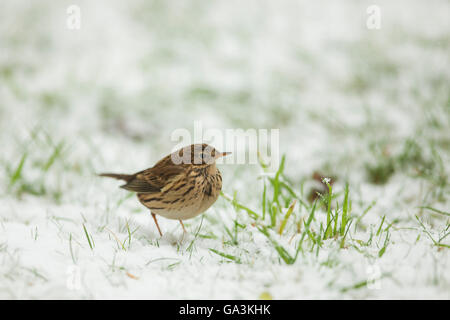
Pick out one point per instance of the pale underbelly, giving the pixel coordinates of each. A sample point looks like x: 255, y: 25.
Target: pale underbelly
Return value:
x: 186, y: 212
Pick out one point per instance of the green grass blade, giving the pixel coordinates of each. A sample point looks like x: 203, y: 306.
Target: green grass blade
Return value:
x: 286, y: 217
x: 18, y: 172
x: 227, y: 256
x: 238, y: 205
x: 306, y: 231
x: 264, y: 201
x: 436, y: 211
x: 381, y: 225
x: 344, y: 219
x: 57, y: 151
x: 87, y: 237
x: 287, y: 258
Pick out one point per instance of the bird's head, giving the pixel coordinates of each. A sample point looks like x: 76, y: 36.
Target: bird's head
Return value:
x: 200, y: 154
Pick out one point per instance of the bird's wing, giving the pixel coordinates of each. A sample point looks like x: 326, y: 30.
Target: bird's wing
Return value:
x: 154, y: 179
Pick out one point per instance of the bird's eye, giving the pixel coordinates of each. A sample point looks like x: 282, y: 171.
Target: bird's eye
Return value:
x: 207, y: 156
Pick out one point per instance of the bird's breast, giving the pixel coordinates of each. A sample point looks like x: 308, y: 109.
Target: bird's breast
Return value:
x: 186, y: 198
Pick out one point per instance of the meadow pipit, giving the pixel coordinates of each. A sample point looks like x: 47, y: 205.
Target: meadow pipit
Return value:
x: 179, y: 186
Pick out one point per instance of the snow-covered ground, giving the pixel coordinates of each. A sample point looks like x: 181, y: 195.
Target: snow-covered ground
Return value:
x: 367, y: 107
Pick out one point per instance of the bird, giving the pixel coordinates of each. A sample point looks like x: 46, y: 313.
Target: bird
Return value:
x: 180, y: 186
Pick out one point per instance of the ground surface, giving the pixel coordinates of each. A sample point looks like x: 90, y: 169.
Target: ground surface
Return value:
x: 367, y: 107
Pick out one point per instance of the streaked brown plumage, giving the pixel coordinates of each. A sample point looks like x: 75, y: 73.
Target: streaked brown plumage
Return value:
x: 177, y: 190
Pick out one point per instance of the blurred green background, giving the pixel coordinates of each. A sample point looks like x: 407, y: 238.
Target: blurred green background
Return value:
x: 358, y: 104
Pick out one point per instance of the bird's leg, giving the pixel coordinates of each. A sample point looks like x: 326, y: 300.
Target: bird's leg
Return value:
x: 184, y: 229
x: 156, y: 222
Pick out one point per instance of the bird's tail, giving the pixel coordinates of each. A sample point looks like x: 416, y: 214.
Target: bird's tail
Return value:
x: 126, y: 177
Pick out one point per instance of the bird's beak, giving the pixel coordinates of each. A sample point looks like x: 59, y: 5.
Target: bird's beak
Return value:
x: 223, y: 154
